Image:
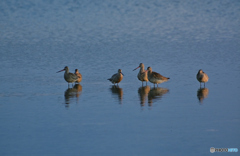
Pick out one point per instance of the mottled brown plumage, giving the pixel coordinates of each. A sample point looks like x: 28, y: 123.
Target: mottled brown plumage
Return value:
x: 78, y: 75
x: 69, y: 77
x: 155, y: 77
x: 116, y: 78
x: 202, y: 77
x: 142, y: 75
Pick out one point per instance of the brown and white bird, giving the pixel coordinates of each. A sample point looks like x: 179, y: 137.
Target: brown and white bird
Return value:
x: 79, y: 76
x: 142, y: 75
x: 116, y: 78
x: 202, y: 77
x: 155, y: 77
x: 69, y: 77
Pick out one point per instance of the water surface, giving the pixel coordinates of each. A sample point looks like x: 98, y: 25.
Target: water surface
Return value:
x: 40, y: 115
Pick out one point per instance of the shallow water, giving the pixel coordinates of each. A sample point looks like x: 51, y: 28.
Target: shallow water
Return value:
x: 40, y: 115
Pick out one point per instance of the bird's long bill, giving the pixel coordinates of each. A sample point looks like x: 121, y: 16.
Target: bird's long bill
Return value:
x: 145, y: 71
x: 122, y: 73
x: 60, y: 70
x: 135, y: 68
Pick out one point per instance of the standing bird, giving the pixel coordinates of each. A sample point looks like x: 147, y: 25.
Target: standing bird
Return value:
x: 142, y: 75
x: 155, y: 77
x: 69, y: 77
x: 116, y: 78
x: 78, y: 75
x: 202, y: 77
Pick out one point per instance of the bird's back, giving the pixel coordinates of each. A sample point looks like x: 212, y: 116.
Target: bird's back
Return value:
x: 159, y: 76
x: 112, y: 78
x: 116, y: 78
x: 205, y: 77
x: 70, y: 77
x: 155, y: 77
x: 202, y: 77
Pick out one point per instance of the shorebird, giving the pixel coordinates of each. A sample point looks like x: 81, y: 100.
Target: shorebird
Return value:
x: 69, y: 77
x: 142, y: 75
x: 79, y: 76
x: 202, y: 77
x: 116, y: 78
x: 155, y: 77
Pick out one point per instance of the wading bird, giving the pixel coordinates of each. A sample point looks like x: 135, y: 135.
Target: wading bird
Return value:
x: 202, y: 77
x: 116, y: 78
x: 142, y: 75
x: 69, y: 77
x: 155, y: 77
x: 79, y: 76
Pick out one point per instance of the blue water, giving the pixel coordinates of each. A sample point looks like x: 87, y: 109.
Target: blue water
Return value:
x: 40, y: 115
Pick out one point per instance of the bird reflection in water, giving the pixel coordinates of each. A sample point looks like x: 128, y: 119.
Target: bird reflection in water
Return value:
x: 202, y: 93
x: 116, y: 90
x: 72, y: 93
x: 143, y: 92
x: 156, y: 93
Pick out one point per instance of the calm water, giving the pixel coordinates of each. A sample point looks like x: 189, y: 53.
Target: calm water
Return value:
x: 40, y: 115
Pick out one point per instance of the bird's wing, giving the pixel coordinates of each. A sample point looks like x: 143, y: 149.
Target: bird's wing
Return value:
x: 157, y: 75
x: 114, y: 76
x: 73, y: 76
